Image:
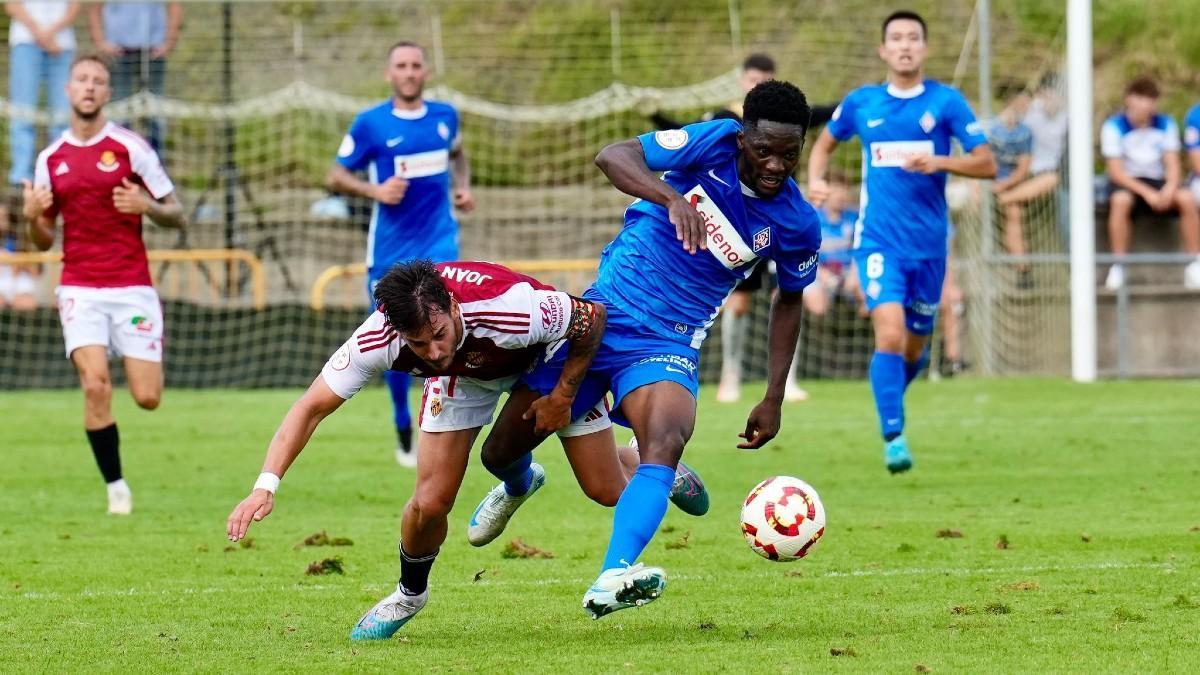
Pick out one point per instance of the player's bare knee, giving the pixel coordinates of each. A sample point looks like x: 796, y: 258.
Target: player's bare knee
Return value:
x: 664, y: 448
x: 431, y: 505
x: 1121, y: 199
x: 96, y: 386
x: 604, y: 494
x: 890, y: 339
x: 147, y: 400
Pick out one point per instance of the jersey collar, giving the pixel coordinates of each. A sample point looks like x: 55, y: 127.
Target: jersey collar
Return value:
x: 100, y: 135
x: 410, y: 114
x: 914, y: 92
x: 748, y: 191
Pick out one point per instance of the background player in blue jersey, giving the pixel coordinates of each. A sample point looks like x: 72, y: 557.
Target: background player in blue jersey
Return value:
x: 727, y: 194
x: 413, y: 154
x: 905, y: 126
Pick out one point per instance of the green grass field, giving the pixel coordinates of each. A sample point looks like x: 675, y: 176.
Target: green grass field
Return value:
x: 1092, y: 489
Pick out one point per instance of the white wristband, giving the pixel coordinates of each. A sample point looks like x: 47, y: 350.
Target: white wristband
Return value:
x: 267, y: 481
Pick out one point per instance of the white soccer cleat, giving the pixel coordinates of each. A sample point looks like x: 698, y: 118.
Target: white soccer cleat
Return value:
x: 492, y: 514
x: 388, y: 615
x: 1116, y: 277
x: 120, y: 498
x: 406, y: 458
x: 729, y: 390
x: 794, y: 393
x: 1191, y: 276
x: 624, y: 587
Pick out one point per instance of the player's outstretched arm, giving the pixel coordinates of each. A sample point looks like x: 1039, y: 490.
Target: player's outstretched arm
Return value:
x: 818, y: 164
x: 784, y: 330
x: 624, y: 163
x: 585, y: 330
x: 293, y: 434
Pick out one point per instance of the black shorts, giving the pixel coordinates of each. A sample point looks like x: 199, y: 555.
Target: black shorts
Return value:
x: 1139, y: 204
x: 753, y: 282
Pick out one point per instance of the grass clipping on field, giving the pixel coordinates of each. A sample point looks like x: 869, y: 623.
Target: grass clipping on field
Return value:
x: 519, y: 549
x: 323, y: 539
x: 326, y: 566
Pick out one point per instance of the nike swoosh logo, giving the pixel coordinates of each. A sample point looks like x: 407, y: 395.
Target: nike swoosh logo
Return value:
x: 874, y: 123
x: 713, y: 175
x: 393, y: 142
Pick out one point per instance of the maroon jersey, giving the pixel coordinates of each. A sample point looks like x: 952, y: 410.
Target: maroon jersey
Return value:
x: 507, y: 319
x: 102, y: 247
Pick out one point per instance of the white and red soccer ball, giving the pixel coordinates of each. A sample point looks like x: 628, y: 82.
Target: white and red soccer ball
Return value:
x: 783, y: 518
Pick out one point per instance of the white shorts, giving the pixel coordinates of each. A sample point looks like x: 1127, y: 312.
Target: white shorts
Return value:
x: 14, y: 282
x: 127, y: 320
x: 452, y: 403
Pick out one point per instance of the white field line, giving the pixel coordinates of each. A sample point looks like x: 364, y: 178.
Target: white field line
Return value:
x: 580, y: 581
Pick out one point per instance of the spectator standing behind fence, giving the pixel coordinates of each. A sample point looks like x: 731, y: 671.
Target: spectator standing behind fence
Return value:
x: 41, y: 47
x: 1012, y: 146
x: 138, y: 36
x: 1141, y: 151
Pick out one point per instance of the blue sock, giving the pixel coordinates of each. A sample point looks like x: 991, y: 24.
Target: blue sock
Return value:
x: 887, y: 383
x: 639, y: 511
x: 914, y: 368
x: 517, y: 476
x: 397, y: 383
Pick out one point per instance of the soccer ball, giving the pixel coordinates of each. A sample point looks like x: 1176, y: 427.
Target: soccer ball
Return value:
x: 782, y: 518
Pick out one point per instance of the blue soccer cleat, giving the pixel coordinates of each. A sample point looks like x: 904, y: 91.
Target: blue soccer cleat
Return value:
x: 492, y: 514
x: 896, y: 455
x: 388, y: 615
x: 624, y: 587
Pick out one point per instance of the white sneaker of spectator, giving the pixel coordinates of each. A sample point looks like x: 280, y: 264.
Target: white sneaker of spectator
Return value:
x: 1191, y: 275
x: 1115, y: 278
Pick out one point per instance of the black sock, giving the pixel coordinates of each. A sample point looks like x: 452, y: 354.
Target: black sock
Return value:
x: 405, y: 436
x: 106, y: 446
x: 414, y: 572
x: 891, y: 436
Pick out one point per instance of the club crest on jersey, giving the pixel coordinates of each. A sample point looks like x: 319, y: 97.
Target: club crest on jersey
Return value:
x: 443, y: 131
x: 671, y: 139
x: 762, y: 239
x: 108, y: 162
x: 928, y: 122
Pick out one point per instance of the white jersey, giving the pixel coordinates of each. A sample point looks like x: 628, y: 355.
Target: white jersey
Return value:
x: 508, y: 320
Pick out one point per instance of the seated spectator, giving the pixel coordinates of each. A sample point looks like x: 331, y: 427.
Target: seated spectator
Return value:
x: 1012, y: 146
x: 1047, y: 120
x: 834, y: 274
x: 17, y: 282
x: 1141, y: 151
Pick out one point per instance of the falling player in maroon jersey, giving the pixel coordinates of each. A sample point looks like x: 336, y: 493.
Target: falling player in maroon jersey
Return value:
x: 101, y: 179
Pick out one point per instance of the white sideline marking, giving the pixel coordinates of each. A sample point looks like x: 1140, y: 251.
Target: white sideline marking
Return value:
x: 831, y: 574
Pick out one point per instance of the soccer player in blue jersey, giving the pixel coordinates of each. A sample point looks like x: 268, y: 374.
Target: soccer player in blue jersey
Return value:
x: 905, y: 126
x: 412, y: 151
x: 728, y: 195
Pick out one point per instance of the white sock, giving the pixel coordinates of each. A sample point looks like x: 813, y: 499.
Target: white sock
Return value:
x: 118, y: 485
x: 733, y: 341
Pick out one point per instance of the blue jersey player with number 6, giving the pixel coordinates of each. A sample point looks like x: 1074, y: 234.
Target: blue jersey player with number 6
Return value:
x: 727, y: 194
x: 413, y: 154
x: 900, y: 240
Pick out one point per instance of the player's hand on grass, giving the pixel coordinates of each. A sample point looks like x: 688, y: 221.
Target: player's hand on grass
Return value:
x: 129, y: 198
x: 925, y: 164
x: 549, y: 413
x: 761, y: 426
x: 689, y: 225
x: 36, y: 199
x: 818, y: 191
x: 390, y: 191
x: 464, y: 200
x: 253, y: 508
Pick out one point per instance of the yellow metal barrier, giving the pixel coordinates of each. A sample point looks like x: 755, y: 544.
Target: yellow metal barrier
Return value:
x: 531, y: 267
x: 199, y: 257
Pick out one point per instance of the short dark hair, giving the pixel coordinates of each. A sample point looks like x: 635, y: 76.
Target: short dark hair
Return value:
x: 1143, y: 86
x: 405, y: 43
x: 903, y: 15
x: 759, y: 61
x: 776, y: 101
x: 1050, y: 81
x: 411, y: 294
x: 91, y: 57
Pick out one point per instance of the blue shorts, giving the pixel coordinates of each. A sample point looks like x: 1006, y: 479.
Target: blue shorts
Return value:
x: 630, y: 356
x: 915, y: 284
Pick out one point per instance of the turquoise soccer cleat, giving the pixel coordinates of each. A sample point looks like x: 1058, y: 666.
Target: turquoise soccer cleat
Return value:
x: 896, y: 455
x: 492, y: 514
x: 624, y: 587
x: 388, y: 615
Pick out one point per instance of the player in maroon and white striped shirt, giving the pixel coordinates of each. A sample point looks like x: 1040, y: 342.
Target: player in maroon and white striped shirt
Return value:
x: 102, y: 179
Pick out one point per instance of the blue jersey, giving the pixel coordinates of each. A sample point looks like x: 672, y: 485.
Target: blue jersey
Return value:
x: 837, y: 236
x: 904, y: 212
x: 646, y: 272
x: 1191, y: 129
x: 416, y: 146
x: 1008, y: 145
